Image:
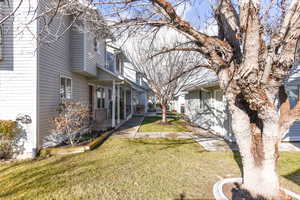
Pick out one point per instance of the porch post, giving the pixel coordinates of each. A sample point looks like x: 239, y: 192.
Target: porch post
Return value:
x: 113, y: 118
x: 118, y: 103
x: 125, y: 116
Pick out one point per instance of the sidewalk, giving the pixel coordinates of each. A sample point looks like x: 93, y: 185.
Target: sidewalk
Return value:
x: 209, y: 141
x: 213, y: 142
x: 128, y: 129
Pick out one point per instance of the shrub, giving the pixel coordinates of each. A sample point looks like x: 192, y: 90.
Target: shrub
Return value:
x: 73, y: 116
x: 8, y: 133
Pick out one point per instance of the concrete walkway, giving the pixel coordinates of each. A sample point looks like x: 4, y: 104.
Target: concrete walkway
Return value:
x: 213, y: 142
x: 129, y: 129
x: 209, y: 141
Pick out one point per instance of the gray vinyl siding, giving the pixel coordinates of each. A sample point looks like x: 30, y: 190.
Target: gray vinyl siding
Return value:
x: 55, y: 61
x: 18, y: 73
x: 84, y: 58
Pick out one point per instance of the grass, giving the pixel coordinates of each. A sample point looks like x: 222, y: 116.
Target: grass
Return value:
x: 151, y: 124
x: 131, y: 169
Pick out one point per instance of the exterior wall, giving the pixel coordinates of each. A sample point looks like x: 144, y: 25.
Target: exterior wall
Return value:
x: 54, y: 61
x: 18, y: 74
x: 215, y: 114
x: 84, y: 58
x: 176, y: 104
x: 208, y: 110
x: 292, y: 85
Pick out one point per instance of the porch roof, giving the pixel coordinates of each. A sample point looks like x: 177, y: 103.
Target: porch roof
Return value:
x: 105, y: 77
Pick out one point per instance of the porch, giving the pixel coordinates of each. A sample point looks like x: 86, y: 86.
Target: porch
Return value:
x: 111, y: 100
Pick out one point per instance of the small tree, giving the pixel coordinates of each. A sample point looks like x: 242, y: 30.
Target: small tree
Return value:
x: 73, y: 116
x: 166, y: 73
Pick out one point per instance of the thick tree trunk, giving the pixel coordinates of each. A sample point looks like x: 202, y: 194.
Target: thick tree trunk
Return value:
x: 164, y: 113
x: 259, y: 151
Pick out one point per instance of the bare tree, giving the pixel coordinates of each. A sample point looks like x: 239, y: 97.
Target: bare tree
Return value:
x: 252, y: 55
x: 167, y: 74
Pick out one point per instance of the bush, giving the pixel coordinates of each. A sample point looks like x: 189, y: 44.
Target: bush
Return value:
x: 73, y: 117
x: 8, y: 133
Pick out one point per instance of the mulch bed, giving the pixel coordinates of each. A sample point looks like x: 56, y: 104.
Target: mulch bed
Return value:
x: 234, y: 191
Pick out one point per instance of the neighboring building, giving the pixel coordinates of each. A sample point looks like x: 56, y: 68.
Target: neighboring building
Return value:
x: 36, y: 75
x: 206, y: 106
x: 178, y: 104
x: 142, y: 94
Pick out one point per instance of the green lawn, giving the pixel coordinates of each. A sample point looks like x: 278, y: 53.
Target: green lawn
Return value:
x: 152, y: 124
x: 131, y: 169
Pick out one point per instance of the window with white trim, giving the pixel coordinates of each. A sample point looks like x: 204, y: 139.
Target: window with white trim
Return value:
x: 100, y: 93
x: 65, y: 88
x: 293, y: 93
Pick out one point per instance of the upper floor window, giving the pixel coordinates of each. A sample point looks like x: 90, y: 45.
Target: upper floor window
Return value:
x: 65, y: 88
x: 95, y: 45
x: 1, y: 40
x: 119, y: 64
x: 138, y: 78
x: 109, y: 61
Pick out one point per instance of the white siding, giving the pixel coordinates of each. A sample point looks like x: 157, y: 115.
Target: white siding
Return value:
x: 293, y: 134
x: 18, y: 72
x: 208, y: 110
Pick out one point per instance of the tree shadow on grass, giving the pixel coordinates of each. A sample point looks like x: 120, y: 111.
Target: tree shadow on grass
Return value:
x: 41, y: 178
x: 294, y: 176
x: 236, y: 155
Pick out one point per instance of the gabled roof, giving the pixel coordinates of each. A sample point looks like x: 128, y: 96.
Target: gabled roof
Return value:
x: 210, y: 79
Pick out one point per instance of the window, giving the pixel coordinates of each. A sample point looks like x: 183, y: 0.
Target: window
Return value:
x: 292, y: 91
x: 118, y: 63
x: 95, y: 45
x: 65, y: 88
x: 138, y: 78
x: 110, y: 61
x: 100, y: 93
x: 109, y: 94
x: 205, y: 98
x: 1, y: 40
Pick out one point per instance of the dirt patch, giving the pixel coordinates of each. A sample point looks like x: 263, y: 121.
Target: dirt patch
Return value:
x: 234, y: 191
x: 163, y: 123
x: 172, y: 135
